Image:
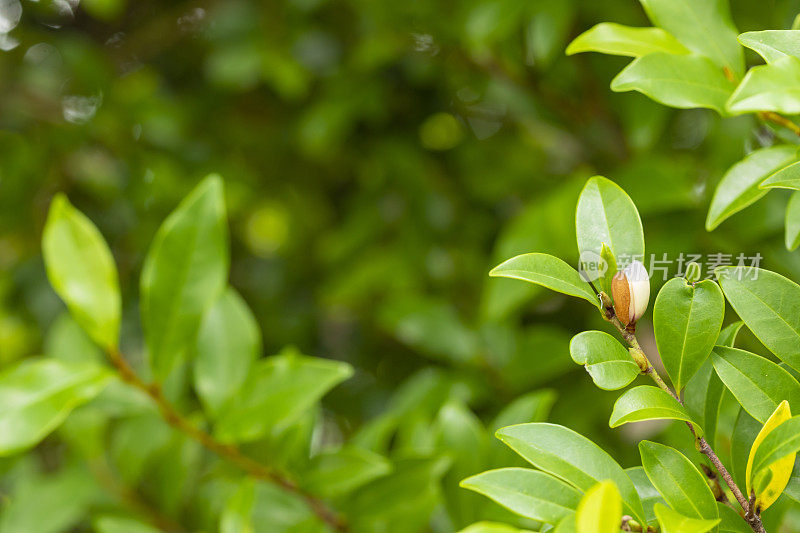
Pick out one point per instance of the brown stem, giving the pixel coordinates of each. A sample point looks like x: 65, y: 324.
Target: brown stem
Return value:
x: 228, y: 452
x: 751, y: 515
x: 780, y: 120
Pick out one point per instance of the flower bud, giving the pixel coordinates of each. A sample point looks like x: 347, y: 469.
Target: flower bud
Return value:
x: 631, y: 291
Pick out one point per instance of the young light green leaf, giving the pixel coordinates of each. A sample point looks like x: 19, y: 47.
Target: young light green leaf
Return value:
x: 739, y: 187
x: 772, y: 44
x: 571, y: 457
x: 184, y: 273
x: 787, y: 177
x: 703, y: 26
x: 793, y: 222
x: 228, y: 342
x: 681, y: 484
x: 38, y: 394
x: 767, y: 302
x: 758, y: 384
x: 609, y: 262
x: 600, y: 509
x: 607, y: 361
x: 771, y: 459
x: 485, y: 526
x: 548, y: 271
x: 332, y: 474
x: 674, y: 522
x: 616, y: 39
x: 527, y: 492
x: 771, y: 87
x: 82, y: 271
x: 606, y: 214
x: 276, y: 392
x: 646, y: 403
x: 687, y: 319
x: 682, y: 81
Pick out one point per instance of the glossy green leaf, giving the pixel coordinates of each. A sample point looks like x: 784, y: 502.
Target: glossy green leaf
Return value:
x: 600, y: 509
x: 771, y: 87
x: 787, y: 177
x: 82, y: 271
x: 731, y: 521
x: 739, y: 187
x: 758, y: 384
x: 674, y: 522
x: 606, y: 214
x: 571, y: 457
x: 727, y: 337
x: 782, y: 441
x: 772, y: 44
x: 745, y: 429
x: 276, y: 392
x: 678, y: 481
x: 702, y: 398
x: 607, y: 361
x: 184, y: 273
x: 682, y: 81
x: 687, y: 320
x: 548, y: 271
x: 646, y: 403
x: 647, y: 492
x: 228, y: 342
x: 529, y: 493
x: 616, y: 39
x: 768, y: 304
x: 793, y: 222
x: 703, y: 26
x: 38, y: 394
x: 332, y: 474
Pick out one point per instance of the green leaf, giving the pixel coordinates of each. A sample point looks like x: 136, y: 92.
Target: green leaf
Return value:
x: 787, y: 177
x: 702, y: 398
x: 781, y: 443
x: 745, y: 429
x: 616, y: 39
x: 767, y: 302
x: 793, y: 222
x: 772, y: 44
x: 606, y: 214
x: 647, y: 492
x: 492, y: 527
x: 739, y: 187
x: 758, y: 384
x: 571, y: 457
x: 703, y: 26
x: 731, y: 521
x: 607, y: 361
x: 600, y: 509
x: 687, y: 320
x: 38, y: 394
x: 116, y: 524
x: 674, y: 522
x: 528, y: 493
x: 228, y: 342
x: 727, y: 337
x: 336, y: 473
x: 646, y: 403
x: 236, y: 516
x: 548, y: 271
x: 681, y: 484
x: 82, y: 271
x: 771, y: 87
x: 682, y: 81
x: 184, y: 273
x: 277, y: 391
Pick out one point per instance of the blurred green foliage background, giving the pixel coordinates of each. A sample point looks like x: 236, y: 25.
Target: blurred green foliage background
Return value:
x: 379, y: 158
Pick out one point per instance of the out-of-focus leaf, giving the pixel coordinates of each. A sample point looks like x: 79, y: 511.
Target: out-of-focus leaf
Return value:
x: 607, y: 361
x: 772, y: 45
x: 674, y: 522
x: 739, y: 187
x: 646, y: 403
x: 236, y: 517
x: 611, y: 38
x: 184, y: 273
x: 681, y: 484
x: 766, y: 301
x: 771, y: 87
x: 277, y: 391
x: 116, y: 524
x: 682, y: 81
x: 335, y: 473
x: 492, y: 527
x: 571, y: 457
x: 600, y: 509
x: 82, y: 271
x: 227, y: 344
x: 529, y: 493
x: 687, y: 319
x: 758, y: 384
x: 793, y: 222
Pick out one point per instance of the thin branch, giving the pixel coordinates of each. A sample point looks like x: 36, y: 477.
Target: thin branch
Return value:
x: 751, y: 515
x: 226, y: 451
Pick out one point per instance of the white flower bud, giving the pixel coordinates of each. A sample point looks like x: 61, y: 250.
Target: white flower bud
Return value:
x: 631, y: 291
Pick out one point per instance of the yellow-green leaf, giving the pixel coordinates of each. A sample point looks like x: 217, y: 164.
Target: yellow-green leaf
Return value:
x: 600, y: 509
x: 674, y: 522
x: 775, y: 480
